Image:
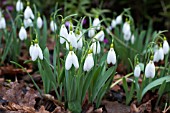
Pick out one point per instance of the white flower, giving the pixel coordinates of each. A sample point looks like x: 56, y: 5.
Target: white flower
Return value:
x: 72, y: 39
x: 63, y: 33
x: 161, y: 53
x: 2, y: 23
x: 111, y: 56
x: 96, y: 23
x: 158, y: 55
x: 100, y: 35
x: 39, y: 22
x: 96, y: 49
x: 108, y: 29
x: 28, y: 23
x: 19, y: 6
x: 113, y: 24
x: 137, y: 71
x: 28, y: 13
x: 132, y: 39
x: 165, y: 47
x: 53, y: 26
x: 127, y: 36
x: 91, y: 32
x: 89, y: 62
x: 36, y: 52
x: 22, y: 33
x: 71, y: 60
x: 119, y: 19
x: 80, y: 40
x: 31, y: 49
x: 150, y: 70
x: 126, y: 28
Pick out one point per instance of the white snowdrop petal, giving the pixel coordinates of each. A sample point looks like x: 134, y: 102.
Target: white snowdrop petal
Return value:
x: 75, y: 61
x: 31, y: 49
x: 100, y: 35
x: 161, y: 53
x: 28, y: 13
x: 127, y: 36
x: 80, y: 41
x: 72, y: 39
x: 68, y: 62
x: 2, y: 23
x: 156, y: 56
x: 22, y: 33
x: 150, y: 70
x: 35, y: 53
x: 96, y: 23
x: 111, y: 57
x: 40, y: 54
x: 91, y: 32
x: 132, y: 39
x: 39, y: 22
x: 19, y: 6
x: 53, y: 26
x: 165, y: 47
x: 119, y: 19
x: 63, y: 33
x: 89, y: 62
x: 28, y: 23
x: 113, y: 24
x: 137, y: 71
x: 95, y: 47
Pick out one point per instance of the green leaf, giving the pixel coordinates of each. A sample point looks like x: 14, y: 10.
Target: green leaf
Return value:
x: 101, y: 81
x: 155, y: 84
x: 74, y: 106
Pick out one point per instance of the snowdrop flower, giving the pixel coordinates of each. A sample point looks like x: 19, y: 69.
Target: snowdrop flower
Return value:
x: 71, y: 60
x: 79, y: 36
x: 127, y: 36
x: 111, y: 56
x: 150, y: 69
x: 165, y: 46
x: 31, y: 49
x: 39, y: 21
x: 108, y: 29
x: 126, y: 27
x: 132, y: 39
x: 89, y: 62
x: 159, y: 54
x: 137, y: 71
x: 28, y: 12
x: 96, y: 23
x: 156, y: 56
x: 36, y: 51
x: 19, y: 6
x: 28, y: 23
x: 119, y: 19
x: 53, y: 26
x: 100, y: 36
x: 91, y: 32
x: 63, y: 33
x: 2, y: 23
x: 22, y: 33
x: 113, y: 23
x: 72, y: 39
x: 95, y: 47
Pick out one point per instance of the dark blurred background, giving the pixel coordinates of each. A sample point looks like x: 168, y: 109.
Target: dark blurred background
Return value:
x: 142, y: 10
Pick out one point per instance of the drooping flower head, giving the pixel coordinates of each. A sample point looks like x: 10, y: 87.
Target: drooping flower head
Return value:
x: 165, y: 46
x: 89, y: 61
x: 2, y: 22
x: 111, y: 56
x: 39, y: 21
x: 79, y: 36
x: 28, y: 12
x: 100, y: 35
x: 137, y: 70
x: 150, y: 69
x: 126, y: 30
x: 63, y: 33
x: 159, y: 54
x: 22, y: 33
x: 71, y: 59
x: 96, y: 23
x: 53, y: 25
x: 35, y: 51
x: 19, y: 6
x: 119, y: 19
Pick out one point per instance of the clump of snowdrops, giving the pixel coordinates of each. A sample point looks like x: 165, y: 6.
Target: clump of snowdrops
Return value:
x: 85, y: 68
